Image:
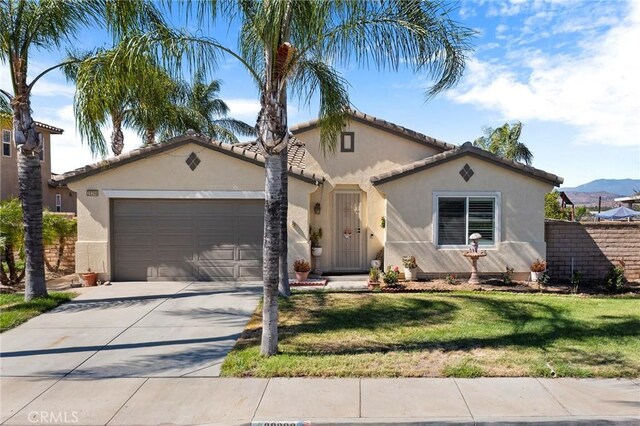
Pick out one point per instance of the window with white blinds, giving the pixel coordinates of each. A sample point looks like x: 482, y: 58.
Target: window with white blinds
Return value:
x: 458, y: 217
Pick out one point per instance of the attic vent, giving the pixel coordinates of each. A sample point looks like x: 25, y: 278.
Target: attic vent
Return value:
x: 193, y: 161
x: 466, y: 172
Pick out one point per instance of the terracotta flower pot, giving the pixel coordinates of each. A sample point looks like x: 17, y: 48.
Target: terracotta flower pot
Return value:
x: 90, y: 279
x: 302, y: 276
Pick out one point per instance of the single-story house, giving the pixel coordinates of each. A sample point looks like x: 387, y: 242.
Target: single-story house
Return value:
x: 192, y: 208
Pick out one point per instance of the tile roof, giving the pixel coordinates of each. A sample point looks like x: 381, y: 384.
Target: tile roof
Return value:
x: 240, y: 151
x: 466, y: 149
x: 383, y: 125
x: 296, y: 151
x: 52, y: 129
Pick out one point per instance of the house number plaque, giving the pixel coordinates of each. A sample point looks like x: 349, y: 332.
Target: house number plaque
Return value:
x: 92, y: 192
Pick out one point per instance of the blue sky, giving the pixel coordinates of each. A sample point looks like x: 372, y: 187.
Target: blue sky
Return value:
x: 565, y: 68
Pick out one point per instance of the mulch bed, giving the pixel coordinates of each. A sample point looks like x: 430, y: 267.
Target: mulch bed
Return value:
x: 308, y: 283
x: 440, y: 285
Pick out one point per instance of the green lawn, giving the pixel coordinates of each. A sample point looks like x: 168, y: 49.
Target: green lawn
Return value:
x: 14, y: 310
x: 464, y: 334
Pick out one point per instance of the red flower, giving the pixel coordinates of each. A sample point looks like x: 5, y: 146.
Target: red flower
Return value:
x: 396, y: 269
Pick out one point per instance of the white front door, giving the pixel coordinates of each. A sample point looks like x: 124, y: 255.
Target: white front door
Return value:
x: 348, y: 233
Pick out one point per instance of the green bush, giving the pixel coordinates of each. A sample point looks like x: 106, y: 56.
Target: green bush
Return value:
x: 616, y: 279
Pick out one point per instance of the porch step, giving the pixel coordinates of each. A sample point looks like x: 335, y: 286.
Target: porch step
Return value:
x: 349, y: 278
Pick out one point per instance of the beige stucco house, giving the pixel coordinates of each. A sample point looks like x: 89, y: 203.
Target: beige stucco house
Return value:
x: 191, y: 208
x: 54, y: 197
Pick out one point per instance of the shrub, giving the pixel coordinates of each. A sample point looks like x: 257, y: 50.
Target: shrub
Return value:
x: 451, y: 279
x: 301, y: 265
x: 409, y: 262
x: 380, y: 257
x: 56, y: 229
x: 315, y: 237
x: 615, y: 278
x: 11, y: 229
x: 507, y: 276
x: 390, y: 277
x: 576, y: 277
x: 538, y: 266
x: 374, y: 274
x: 544, y: 278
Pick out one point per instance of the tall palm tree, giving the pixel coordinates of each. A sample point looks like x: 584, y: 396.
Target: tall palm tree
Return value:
x: 26, y: 25
x: 505, y: 142
x: 293, y: 46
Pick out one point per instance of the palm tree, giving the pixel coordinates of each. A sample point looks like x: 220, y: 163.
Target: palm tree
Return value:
x: 199, y: 108
x: 158, y: 105
x: 505, y: 142
x: 26, y: 25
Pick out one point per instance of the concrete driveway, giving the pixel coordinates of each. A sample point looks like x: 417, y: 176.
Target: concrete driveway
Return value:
x: 161, y: 329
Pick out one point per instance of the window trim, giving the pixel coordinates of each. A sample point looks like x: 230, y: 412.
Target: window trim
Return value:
x: 3, y: 142
x: 467, y: 194
x: 342, y: 141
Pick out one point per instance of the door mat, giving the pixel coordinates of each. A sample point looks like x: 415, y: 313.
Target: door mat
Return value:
x: 308, y: 283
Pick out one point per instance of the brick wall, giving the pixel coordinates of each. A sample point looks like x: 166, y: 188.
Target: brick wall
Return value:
x: 594, y: 248
x: 68, y: 263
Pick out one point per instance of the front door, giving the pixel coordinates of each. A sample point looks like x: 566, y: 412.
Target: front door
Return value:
x: 347, y: 232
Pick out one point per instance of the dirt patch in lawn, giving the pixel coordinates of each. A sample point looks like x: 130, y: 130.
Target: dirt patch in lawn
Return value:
x: 441, y: 285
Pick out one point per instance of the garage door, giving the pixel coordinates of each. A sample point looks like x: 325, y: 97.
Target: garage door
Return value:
x: 207, y: 240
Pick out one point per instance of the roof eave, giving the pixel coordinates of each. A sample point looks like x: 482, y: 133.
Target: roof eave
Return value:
x: 449, y: 156
x: 240, y: 154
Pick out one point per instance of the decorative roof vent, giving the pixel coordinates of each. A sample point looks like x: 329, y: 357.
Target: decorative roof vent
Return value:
x: 466, y: 172
x: 193, y: 161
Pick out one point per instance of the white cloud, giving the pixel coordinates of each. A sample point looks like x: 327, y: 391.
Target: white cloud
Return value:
x: 245, y: 109
x: 596, y: 88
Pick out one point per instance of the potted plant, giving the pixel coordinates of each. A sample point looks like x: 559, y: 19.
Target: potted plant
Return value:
x: 377, y: 262
x: 90, y: 278
x: 315, y: 237
x: 537, y: 267
x: 410, y: 267
x: 374, y: 279
x: 302, y: 268
x: 390, y: 277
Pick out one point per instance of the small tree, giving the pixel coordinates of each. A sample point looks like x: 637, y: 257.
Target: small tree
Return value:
x: 57, y: 228
x: 552, y: 208
x: 11, y: 231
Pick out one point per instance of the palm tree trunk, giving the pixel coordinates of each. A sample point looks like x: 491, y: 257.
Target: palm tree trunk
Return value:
x: 30, y: 190
x: 271, y: 254
x: 30, y: 184
x: 149, y: 136
x: 284, y: 288
x: 117, y: 137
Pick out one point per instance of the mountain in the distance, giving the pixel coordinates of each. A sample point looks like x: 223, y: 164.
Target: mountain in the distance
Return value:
x: 618, y: 187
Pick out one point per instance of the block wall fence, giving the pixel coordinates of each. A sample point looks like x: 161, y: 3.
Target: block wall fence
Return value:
x: 594, y: 247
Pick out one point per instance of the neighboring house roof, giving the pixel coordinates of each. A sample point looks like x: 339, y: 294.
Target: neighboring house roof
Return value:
x: 466, y: 149
x: 382, y: 125
x: 50, y: 128
x: 630, y: 198
x: 296, y: 151
x: 239, y: 151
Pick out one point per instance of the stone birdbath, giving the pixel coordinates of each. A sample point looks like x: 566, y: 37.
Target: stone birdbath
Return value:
x: 474, y: 254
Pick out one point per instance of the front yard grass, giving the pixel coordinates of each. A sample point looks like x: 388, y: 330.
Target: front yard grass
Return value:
x: 464, y: 334
x: 14, y: 310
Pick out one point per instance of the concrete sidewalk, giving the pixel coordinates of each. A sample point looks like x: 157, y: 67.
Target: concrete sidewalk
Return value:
x: 190, y: 400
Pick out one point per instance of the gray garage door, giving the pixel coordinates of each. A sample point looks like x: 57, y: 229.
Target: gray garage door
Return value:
x: 187, y: 239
